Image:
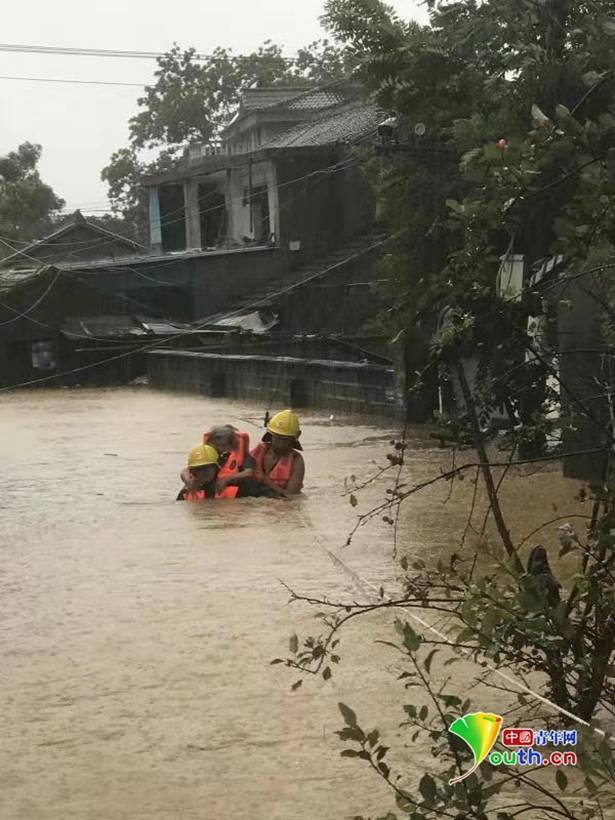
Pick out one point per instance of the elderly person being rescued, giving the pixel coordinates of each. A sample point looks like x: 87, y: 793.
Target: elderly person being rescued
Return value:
x: 204, y: 476
x: 279, y: 464
x: 236, y: 466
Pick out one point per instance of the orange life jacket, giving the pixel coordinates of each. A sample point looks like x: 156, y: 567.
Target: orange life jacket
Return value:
x: 199, y: 495
x: 280, y: 472
x: 236, y: 457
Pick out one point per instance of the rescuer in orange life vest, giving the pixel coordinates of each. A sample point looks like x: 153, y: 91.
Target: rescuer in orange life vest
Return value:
x: 203, y: 468
x: 279, y: 464
x: 236, y: 469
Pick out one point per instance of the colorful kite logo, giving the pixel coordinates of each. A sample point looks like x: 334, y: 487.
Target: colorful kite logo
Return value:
x: 479, y: 731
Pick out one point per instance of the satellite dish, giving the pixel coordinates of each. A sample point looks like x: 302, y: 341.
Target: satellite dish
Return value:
x: 420, y: 129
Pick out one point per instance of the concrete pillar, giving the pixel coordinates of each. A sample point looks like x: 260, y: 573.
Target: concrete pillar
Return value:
x: 273, y: 195
x: 192, y: 215
x: 230, y: 206
x: 155, y: 226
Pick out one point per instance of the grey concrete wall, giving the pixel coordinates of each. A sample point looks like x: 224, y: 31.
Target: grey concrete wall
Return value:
x: 324, y: 210
x: 340, y: 302
x: 275, y: 381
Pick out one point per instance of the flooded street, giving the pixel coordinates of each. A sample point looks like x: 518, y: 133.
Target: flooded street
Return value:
x: 136, y: 633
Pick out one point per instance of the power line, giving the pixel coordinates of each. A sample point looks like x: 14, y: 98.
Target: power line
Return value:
x: 71, y: 82
x: 151, y: 345
x: 37, y: 302
x: 87, y: 244
x: 115, y: 53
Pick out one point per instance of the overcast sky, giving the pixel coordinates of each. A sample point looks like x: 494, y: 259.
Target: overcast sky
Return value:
x: 79, y: 126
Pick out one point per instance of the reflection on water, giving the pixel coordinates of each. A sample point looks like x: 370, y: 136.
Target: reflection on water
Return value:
x: 137, y: 633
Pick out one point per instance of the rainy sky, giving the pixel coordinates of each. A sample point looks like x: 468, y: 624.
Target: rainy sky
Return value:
x: 80, y: 125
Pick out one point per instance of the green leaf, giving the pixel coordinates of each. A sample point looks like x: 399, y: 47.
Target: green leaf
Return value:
x: 455, y: 206
x: 293, y: 644
x: 296, y: 685
x: 372, y: 737
x: 539, y: 117
x: 561, y: 779
x: 353, y: 500
x: 277, y: 660
x: 411, y: 640
x: 381, y: 752
x: 350, y: 753
x: 404, y: 563
x: 429, y: 660
x: 350, y: 733
x: 326, y: 673
x: 349, y: 716
x: 384, y: 769
x: 427, y: 788
x: 470, y: 156
x: 592, y: 78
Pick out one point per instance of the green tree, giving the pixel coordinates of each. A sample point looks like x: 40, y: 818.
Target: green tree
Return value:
x: 517, y: 99
x: 27, y: 204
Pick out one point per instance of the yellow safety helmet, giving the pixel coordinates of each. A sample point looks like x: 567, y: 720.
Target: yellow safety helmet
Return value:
x: 285, y: 423
x: 202, y: 455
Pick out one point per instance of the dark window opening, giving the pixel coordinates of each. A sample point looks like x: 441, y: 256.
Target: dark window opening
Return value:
x: 260, y: 214
x: 172, y: 217
x: 212, y: 209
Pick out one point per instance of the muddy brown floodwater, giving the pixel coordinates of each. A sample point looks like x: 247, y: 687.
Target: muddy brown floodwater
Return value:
x: 136, y: 633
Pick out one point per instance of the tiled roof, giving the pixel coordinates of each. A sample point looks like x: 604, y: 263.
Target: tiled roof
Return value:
x: 347, y: 123
x: 301, y: 98
x: 317, y: 100
x: 256, y: 98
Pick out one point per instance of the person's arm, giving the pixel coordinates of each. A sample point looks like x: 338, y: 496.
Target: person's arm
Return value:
x: 295, y: 482
x: 272, y: 486
x: 247, y: 471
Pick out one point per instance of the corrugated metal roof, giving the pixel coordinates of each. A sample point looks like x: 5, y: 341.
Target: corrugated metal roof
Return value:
x: 102, y: 326
x: 12, y: 278
x: 256, y: 321
x: 345, y: 124
x: 106, y: 326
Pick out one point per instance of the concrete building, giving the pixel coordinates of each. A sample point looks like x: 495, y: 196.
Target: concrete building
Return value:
x: 267, y: 243
x: 282, y: 176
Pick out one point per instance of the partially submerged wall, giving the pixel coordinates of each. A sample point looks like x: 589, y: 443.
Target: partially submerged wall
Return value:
x: 352, y: 387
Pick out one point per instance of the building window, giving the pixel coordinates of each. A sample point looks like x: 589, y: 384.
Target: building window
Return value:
x: 43, y: 356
